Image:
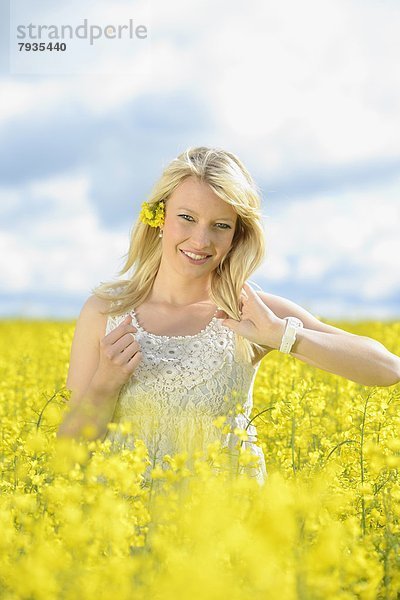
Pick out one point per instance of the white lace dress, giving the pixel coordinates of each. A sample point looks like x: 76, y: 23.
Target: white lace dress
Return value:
x: 181, y: 385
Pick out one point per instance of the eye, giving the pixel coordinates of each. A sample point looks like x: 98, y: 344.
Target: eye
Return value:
x: 224, y: 225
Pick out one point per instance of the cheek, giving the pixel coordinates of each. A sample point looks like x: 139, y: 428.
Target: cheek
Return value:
x: 174, y: 230
x: 229, y: 238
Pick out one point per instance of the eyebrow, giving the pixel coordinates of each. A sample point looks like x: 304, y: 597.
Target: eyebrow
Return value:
x: 195, y: 213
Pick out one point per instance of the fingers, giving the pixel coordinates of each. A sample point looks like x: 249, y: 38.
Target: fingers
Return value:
x: 248, y: 293
x: 125, y: 341
x: 247, y: 297
x: 247, y: 289
x: 124, y: 327
x: 131, y: 354
x: 243, y: 298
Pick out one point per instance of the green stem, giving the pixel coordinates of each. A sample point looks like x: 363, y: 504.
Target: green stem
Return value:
x: 292, y: 443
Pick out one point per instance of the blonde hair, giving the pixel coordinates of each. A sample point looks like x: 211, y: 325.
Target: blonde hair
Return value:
x: 229, y: 179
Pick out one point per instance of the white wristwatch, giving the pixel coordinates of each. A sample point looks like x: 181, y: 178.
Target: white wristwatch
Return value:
x: 289, y: 336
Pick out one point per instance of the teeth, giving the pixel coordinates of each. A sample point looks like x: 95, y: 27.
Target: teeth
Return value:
x: 194, y: 256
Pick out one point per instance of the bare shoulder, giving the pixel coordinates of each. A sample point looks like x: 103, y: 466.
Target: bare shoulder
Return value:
x: 96, y: 304
x: 89, y: 330
x: 93, y: 311
x: 283, y: 307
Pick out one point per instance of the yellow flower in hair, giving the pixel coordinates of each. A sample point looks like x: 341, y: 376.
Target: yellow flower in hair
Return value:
x: 153, y: 214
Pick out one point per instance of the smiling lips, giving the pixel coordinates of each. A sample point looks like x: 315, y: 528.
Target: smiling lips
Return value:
x: 196, y: 254
x: 199, y: 258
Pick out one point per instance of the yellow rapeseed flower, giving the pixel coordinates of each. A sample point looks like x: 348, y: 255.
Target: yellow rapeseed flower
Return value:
x: 241, y: 434
x: 153, y: 214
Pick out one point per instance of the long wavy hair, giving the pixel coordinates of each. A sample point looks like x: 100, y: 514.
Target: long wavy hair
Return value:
x: 229, y: 179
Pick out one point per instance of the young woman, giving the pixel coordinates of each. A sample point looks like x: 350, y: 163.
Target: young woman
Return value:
x: 178, y: 344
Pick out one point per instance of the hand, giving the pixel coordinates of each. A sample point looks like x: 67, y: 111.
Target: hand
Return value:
x: 258, y: 323
x: 119, y: 355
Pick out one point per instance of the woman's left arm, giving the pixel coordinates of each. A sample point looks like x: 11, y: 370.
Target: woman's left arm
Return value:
x: 358, y: 358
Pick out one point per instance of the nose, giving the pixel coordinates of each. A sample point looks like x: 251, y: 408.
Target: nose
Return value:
x: 200, y: 239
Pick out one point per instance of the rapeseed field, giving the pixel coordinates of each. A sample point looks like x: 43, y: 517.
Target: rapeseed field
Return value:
x: 76, y: 521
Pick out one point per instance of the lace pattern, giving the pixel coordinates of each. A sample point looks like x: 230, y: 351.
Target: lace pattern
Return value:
x: 181, y: 385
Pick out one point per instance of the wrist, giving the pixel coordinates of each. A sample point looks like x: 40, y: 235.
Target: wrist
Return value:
x: 299, y: 336
x: 293, y: 325
x: 102, y: 388
x: 277, y: 334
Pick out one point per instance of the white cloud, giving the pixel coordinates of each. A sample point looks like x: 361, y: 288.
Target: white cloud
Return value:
x: 67, y: 193
x: 292, y: 82
x: 9, y: 200
x: 19, y: 98
x: 64, y: 247
x: 354, y: 234
x: 342, y: 309
x: 14, y: 262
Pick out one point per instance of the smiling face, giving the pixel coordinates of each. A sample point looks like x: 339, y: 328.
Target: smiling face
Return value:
x: 198, y: 222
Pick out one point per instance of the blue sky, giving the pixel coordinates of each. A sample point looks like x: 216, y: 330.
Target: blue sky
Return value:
x: 311, y: 106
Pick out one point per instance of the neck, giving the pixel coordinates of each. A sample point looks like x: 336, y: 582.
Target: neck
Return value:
x: 175, y: 289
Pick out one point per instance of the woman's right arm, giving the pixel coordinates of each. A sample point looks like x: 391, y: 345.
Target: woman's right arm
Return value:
x: 99, y: 366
